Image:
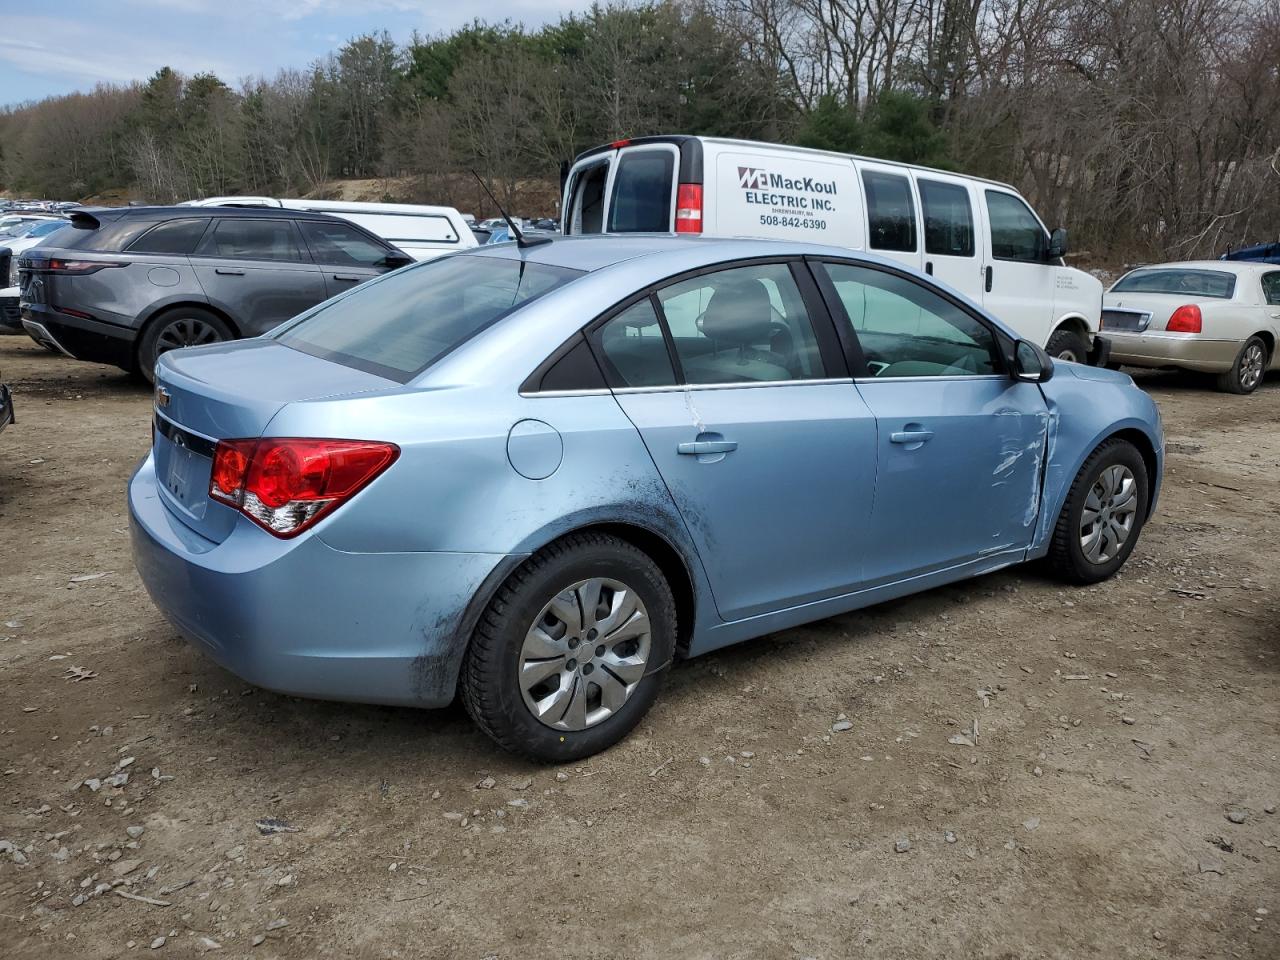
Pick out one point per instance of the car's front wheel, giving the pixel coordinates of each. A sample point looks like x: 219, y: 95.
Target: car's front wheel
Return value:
x: 568, y: 656
x: 1103, y: 515
x: 182, y: 327
x: 1245, y: 375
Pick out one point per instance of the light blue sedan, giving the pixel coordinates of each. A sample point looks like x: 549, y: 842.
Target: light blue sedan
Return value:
x: 536, y: 475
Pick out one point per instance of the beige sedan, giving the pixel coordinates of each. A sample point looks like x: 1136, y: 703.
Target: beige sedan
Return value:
x: 1213, y: 316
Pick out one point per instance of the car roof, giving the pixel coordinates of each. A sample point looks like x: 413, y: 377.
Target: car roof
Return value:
x: 187, y: 213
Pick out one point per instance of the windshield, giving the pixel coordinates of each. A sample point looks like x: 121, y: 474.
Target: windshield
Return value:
x: 1198, y: 283
x: 398, y: 326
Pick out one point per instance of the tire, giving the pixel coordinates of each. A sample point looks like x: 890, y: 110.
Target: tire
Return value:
x: 1068, y: 558
x: 1249, y: 369
x: 506, y: 642
x: 180, y: 327
x: 1067, y: 345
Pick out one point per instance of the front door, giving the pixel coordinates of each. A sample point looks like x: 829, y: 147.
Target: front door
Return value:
x: 765, y: 447
x: 959, y: 444
x: 346, y: 256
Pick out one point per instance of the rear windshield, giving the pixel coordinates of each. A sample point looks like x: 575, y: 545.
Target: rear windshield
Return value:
x: 1198, y: 283
x: 398, y: 326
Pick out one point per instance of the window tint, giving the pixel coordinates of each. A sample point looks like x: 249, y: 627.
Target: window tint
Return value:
x: 1016, y: 234
x: 1271, y: 288
x: 907, y: 330
x: 743, y: 325
x: 338, y: 243
x: 576, y: 370
x: 948, y: 219
x: 252, y: 240
x: 634, y: 350
x: 891, y: 215
x: 586, y: 203
x: 173, y: 237
x: 400, y: 324
x: 1197, y: 283
x: 642, y: 192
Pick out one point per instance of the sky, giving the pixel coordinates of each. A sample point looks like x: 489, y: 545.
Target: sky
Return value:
x: 93, y: 41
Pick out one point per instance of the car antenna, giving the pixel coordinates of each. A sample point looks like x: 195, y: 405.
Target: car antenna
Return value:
x: 521, y: 240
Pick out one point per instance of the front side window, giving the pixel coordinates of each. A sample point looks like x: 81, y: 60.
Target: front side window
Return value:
x: 642, y: 187
x: 253, y: 240
x: 1192, y: 283
x: 907, y: 330
x: 397, y: 326
x: 742, y: 325
x: 1016, y: 234
x: 1271, y: 288
x: 891, y: 214
x: 175, y: 237
x: 341, y: 245
x: 634, y: 349
x: 948, y: 218
x: 586, y: 199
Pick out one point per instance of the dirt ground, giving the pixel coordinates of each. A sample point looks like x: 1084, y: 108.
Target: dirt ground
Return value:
x: 1120, y: 730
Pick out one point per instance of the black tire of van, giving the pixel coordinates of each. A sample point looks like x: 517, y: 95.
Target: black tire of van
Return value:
x: 180, y: 327
x: 1067, y: 345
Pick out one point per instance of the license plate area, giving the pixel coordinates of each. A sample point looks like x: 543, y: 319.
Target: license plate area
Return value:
x: 183, y: 463
x: 1134, y: 321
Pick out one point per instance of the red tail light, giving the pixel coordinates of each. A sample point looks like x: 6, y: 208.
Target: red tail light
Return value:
x: 689, y: 208
x: 1186, y: 319
x: 286, y: 485
x: 80, y: 267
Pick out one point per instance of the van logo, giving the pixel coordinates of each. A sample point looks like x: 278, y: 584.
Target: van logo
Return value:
x: 752, y: 178
x: 162, y: 397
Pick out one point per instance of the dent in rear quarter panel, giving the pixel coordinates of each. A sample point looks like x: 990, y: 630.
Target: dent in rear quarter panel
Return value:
x: 453, y: 489
x: 1083, y: 412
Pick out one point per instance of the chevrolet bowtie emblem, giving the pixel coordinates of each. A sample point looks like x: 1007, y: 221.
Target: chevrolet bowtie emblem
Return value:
x: 162, y: 397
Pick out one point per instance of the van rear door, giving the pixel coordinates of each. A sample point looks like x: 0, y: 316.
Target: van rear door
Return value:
x: 629, y: 189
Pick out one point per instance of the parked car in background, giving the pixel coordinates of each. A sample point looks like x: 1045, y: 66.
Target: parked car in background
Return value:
x: 11, y: 248
x: 1257, y: 252
x: 15, y: 224
x: 980, y: 237
x: 562, y: 466
x: 1213, y: 316
x: 419, y: 230
x: 6, y: 405
x: 125, y: 285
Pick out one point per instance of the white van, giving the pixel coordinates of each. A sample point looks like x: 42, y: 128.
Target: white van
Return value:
x: 421, y: 231
x: 977, y: 236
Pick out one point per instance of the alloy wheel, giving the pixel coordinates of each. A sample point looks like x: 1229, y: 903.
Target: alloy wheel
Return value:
x: 585, y: 654
x: 1110, y: 510
x: 1251, y: 365
x: 185, y: 332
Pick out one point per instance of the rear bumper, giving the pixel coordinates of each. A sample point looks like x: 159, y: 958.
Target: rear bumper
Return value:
x: 78, y: 338
x: 299, y: 617
x: 1160, y: 349
x: 10, y: 312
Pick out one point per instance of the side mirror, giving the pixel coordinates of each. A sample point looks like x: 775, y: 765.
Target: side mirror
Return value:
x: 394, y: 261
x: 1030, y: 363
x: 1057, y: 244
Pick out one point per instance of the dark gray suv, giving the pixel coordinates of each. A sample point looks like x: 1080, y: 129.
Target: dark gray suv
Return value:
x: 128, y: 284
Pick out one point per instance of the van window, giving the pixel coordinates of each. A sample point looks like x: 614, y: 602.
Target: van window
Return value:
x: 642, y: 192
x: 891, y: 215
x: 399, y: 227
x: 586, y: 203
x: 1016, y: 234
x: 948, y: 218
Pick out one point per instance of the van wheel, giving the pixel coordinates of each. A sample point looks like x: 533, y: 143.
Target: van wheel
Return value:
x: 568, y: 656
x: 1067, y: 345
x: 1245, y: 375
x: 182, y: 327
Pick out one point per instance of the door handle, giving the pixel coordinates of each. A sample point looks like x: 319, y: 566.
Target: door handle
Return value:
x: 911, y: 436
x: 346, y: 276
x: 700, y: 447
x: 988, y: 281
x: 928, y: 267
x: 226, y: 272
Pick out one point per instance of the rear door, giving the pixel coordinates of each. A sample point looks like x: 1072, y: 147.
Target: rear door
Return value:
x: 893, y: 223
x: 346, y: 256
x: 948, y: 207
x: 642, y: 189
x: 734, y: 379
x: 585, y: 193
x: 258, y: 271
x: 1018, y: 279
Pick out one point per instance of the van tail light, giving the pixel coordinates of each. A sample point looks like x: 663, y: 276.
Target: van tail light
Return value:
x: 689, y: 208
x: 285, y: 485
x: 1186, y: 319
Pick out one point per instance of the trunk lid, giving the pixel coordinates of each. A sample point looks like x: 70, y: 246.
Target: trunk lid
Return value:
x: 225, y: 392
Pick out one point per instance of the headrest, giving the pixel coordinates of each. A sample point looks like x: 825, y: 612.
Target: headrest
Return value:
x: 739, y: 312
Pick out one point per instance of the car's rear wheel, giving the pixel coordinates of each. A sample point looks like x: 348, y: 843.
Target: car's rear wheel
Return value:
x: 182, y: 327
x: 1067, y: 345
x: 1245, y: 375
x: 567, y: 658
x: 1103, y: 515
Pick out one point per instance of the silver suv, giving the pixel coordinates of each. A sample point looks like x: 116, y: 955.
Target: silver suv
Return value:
x: 128, y: 284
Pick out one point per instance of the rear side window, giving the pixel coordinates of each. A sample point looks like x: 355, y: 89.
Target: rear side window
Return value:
x: 252, y: 240
x: 1016, y: 234
x: 948, y: 219
x: 1271, y: 288
x: 1196, y: 283
x: 634, y: 349
x: 177, y: 237
x: 642, y: 190
x: 337, y: 243
x: 397, y: 326
x: 891, y: 214
x: 586, y: 201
